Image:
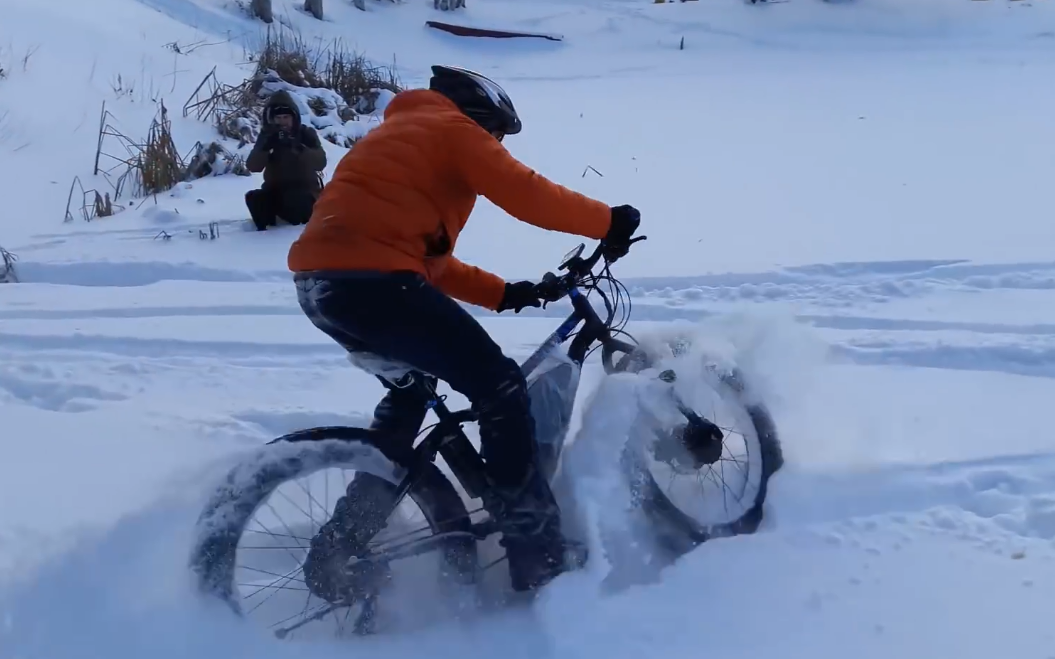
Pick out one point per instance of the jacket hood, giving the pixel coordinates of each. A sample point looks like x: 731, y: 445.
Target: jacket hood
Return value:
x: 416, y: 100
x: 282, y: 98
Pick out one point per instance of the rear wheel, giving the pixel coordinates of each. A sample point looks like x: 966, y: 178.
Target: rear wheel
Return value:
x: 277, y: 484
x: 692, y: 486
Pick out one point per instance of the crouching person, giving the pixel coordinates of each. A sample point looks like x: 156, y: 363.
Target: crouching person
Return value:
x: 291, y: 157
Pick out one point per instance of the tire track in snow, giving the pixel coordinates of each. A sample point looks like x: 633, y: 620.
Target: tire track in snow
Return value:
x: 1032, y: 358
x: 644, y: 312
x: 1014, y: 492
x: 1038, y: 361
x: 139, y: 347
x: 883, y: 278
x: 848, y: 284
x: 121, y: 274
x: 1025, y: 349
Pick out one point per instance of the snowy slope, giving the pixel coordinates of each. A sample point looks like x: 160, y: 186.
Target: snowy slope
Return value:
x: 855, y: 195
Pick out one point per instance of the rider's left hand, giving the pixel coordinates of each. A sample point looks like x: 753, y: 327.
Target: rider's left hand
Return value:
x: 519, y: 295
x: 625, y: 221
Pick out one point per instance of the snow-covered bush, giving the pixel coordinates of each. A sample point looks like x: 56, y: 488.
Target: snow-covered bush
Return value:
x: 328, y: 112
x: 337, y: 91
x: 334, y: 66
x: 213, y: 159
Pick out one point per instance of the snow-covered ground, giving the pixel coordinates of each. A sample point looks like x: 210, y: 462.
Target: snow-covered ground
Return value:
x: 856, y: 195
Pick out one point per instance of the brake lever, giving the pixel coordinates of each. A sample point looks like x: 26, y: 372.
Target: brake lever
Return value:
x: 632, y: 241
x: 548, y: 289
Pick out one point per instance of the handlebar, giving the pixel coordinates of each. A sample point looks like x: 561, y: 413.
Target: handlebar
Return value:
x: 552, y: 287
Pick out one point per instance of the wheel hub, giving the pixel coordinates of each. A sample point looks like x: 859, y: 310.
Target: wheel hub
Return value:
x: 691, y: 445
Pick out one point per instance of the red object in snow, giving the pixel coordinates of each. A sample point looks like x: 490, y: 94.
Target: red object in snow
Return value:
x: 465, y: 31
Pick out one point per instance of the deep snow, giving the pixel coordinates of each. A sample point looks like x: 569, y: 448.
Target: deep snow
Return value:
x: 853, y: 196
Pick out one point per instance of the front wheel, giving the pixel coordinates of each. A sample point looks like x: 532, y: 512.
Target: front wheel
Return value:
x: 278, y: 484
x: 692, y: 486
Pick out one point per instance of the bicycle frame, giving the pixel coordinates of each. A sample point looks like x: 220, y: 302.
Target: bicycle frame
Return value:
x: 447, y: 438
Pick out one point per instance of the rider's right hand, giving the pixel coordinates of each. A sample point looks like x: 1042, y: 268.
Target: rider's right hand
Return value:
x: 625, y: 221
x: 519, y: 295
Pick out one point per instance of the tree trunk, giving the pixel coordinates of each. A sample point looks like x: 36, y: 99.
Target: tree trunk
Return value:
x: 314, y: 7
x: 262, y: 10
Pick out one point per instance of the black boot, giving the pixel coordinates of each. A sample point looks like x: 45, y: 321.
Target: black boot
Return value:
x: 400, y: 414
x: 529, y: 520
x: 358, y: 516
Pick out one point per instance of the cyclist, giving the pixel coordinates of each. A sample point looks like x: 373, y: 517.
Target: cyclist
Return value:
x: 374, y: 270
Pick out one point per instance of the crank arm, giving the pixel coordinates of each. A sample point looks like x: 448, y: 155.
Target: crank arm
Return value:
x: 364, y: 622
x: 318, y: 615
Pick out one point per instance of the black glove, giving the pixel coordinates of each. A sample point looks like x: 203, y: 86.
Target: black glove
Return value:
x: 625, y: 221
x: 519, y: 295
x: 266, y: 139
x: 284, y: 139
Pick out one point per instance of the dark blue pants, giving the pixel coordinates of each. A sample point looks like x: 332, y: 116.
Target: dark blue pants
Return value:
x: 399, y: 316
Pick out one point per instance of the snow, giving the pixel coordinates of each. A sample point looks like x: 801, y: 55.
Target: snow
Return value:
x: 850, y: 198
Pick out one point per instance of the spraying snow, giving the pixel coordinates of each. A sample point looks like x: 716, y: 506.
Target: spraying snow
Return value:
x: 846, y: 200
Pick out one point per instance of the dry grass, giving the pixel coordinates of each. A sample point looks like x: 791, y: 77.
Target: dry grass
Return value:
x: 284, y: 55
x: 104, y: 207
x: 327, y: 66
x: 153, y: 166
x: 13, y: 60
x: 92, y: 204
x: 159, y: 165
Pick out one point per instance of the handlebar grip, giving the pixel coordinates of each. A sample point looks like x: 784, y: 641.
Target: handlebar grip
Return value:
x: 548, y: 288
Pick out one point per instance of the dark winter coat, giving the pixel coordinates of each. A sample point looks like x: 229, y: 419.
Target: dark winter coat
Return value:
x: 295, y: 165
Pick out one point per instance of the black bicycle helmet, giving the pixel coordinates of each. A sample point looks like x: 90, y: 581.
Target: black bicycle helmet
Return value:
x: 479, y: 97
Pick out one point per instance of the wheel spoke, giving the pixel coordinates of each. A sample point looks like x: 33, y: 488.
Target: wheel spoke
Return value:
x: 253, y: 583
x: 735, y: 483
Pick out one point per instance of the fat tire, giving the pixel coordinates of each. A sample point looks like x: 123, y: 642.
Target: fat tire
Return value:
x: 225, y: 516
x: 675, y: 530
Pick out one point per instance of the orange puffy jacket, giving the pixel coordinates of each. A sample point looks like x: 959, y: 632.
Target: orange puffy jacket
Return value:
x: 400, y: 197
